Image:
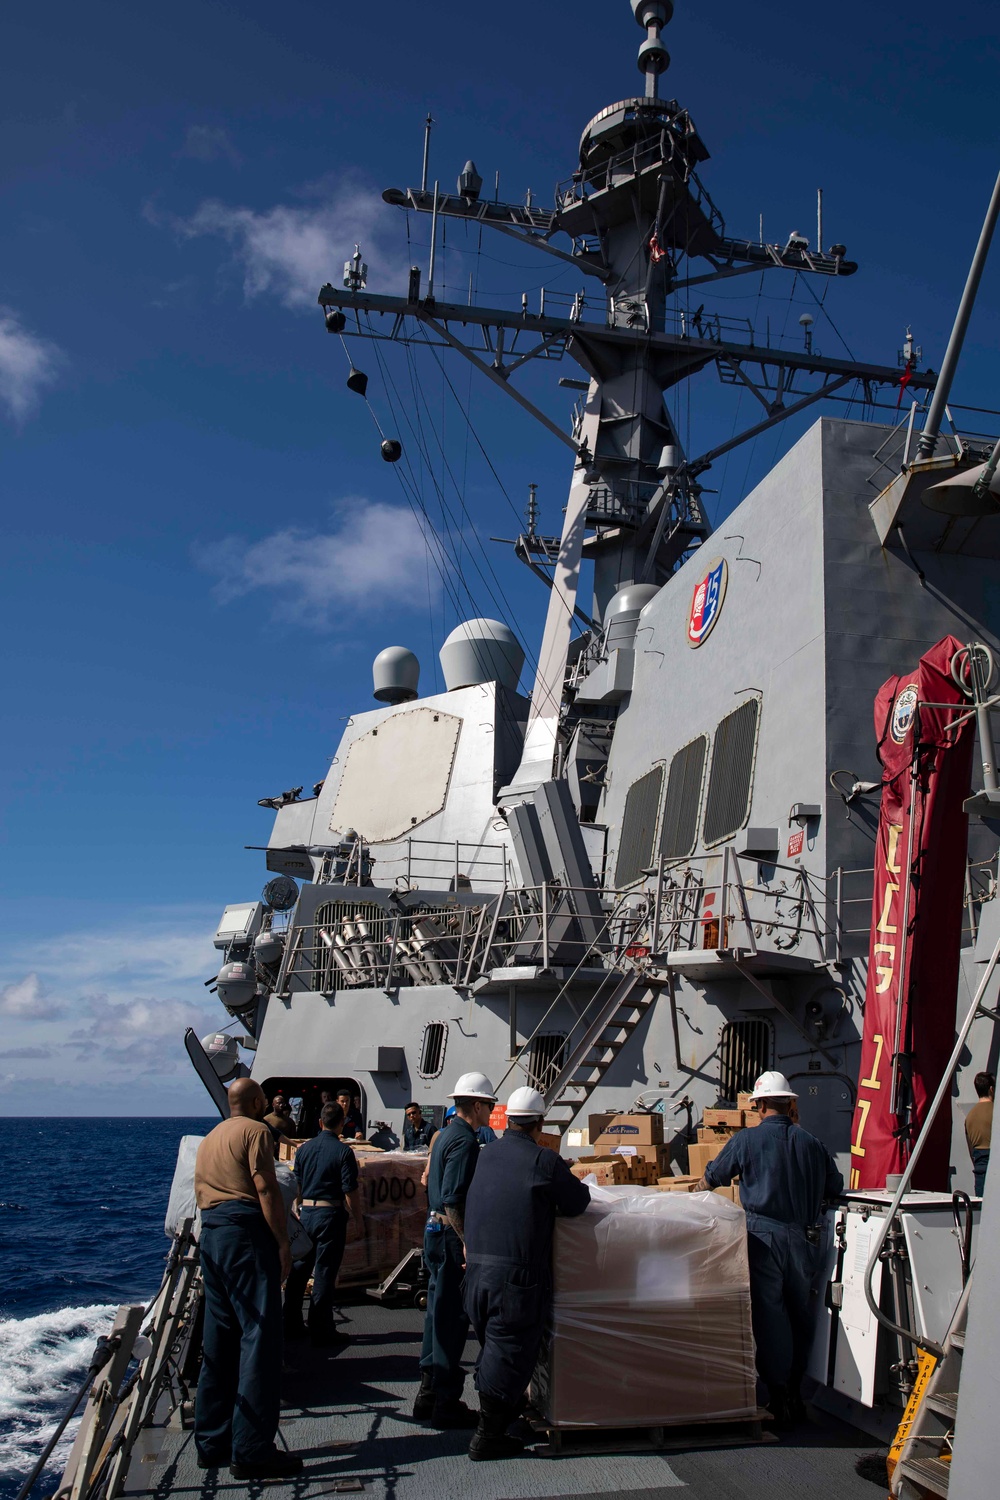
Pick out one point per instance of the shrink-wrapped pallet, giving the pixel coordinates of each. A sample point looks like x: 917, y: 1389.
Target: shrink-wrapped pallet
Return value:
x: 651, y: 1314
x: 388, y: 1215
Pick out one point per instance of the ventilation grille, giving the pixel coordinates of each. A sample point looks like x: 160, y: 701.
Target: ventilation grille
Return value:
x: 635, y: 848
x: 730, y: 781
x: 679, y: 833
x: 432, y: 1045
x: 545, y: 1060
x: 744, y: 1053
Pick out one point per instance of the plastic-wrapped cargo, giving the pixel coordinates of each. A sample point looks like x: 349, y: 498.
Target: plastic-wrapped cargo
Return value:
x: 181, y: 1203
x: 651, y: 1314
x: 388, y: 1215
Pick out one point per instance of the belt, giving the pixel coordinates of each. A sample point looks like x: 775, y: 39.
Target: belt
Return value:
x: 322, y: 1202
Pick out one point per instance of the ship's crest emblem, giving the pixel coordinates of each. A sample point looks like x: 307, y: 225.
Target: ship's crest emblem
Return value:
x: 706, y: 601
x: 903, y: 711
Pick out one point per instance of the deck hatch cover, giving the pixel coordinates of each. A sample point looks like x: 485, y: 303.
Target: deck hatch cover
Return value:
x: 635, y: 847
x: 679, y: 831
x: 730, y: 781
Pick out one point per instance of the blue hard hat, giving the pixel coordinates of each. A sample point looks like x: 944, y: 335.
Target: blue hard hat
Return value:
x: 449, y: 1111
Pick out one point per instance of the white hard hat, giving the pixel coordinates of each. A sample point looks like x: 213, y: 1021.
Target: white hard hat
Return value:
x: 525, y: 1101
x: 773, y: 1086
x: 473, y: 1086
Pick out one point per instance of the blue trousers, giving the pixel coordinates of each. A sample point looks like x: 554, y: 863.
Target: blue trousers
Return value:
x: 507, y: 1306
x: 237, y: 1406
x: 782, y: 1307
x: 327, y: 1228
x: 980, y: 1161
x: 446, y: 1326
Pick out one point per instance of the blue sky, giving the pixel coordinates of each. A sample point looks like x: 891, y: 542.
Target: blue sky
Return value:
x: 202, y: 549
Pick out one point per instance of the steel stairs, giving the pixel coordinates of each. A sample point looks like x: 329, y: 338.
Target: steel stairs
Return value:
x: 597, y: 1037
x: 924, y: 1464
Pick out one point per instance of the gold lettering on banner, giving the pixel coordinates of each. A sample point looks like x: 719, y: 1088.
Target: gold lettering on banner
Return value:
x: 873, y: 1081
x: 884, y: 925
x: 864, y: 1105
x: 855, y: 1178
x: 895, y: 829
x: 884, y: 971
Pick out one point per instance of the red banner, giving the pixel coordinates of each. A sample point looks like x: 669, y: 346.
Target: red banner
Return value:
x: 920, y: 854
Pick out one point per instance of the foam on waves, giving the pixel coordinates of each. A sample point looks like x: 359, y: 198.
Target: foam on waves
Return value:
x: 42, y: 1361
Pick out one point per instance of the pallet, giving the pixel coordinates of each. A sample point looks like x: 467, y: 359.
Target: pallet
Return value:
x: 581, y: 1442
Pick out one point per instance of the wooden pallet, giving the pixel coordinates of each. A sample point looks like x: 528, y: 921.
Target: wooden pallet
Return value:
x: 581, y: 1442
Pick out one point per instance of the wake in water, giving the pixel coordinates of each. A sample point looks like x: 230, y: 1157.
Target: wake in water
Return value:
x: 42, y: 1362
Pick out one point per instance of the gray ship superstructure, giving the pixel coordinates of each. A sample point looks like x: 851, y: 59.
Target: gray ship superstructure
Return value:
x: 649, y: 878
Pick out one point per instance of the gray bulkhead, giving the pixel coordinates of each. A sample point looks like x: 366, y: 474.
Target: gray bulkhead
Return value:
x: 816, y: 614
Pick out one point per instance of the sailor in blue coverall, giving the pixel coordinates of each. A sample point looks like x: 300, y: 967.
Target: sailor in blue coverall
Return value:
x: 510, y: 1212
x: 327, y: 1173
x: 785, y: 1174
x: 453, y: 1161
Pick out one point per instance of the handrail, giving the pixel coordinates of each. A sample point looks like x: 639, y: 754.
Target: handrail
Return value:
x: 943, y: 1091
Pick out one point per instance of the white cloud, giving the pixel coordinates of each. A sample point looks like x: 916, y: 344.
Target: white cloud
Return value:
x: 26, y: 999
x: 210, y: 143
x: 373, y: 559
x: 289, y: 251
x: 142, y: 1035
x: 28, y: 364
x: 126, y: 995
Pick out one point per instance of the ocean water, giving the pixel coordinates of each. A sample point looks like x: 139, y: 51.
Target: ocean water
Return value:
x: 82, y: 1204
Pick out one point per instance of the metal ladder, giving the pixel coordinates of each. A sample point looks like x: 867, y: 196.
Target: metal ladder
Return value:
x: 924, y: 1466
x: 605, y: 1026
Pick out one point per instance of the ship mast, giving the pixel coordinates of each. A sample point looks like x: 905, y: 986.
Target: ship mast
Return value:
x: 638, y: 219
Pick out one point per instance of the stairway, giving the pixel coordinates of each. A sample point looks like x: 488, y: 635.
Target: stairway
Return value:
x: 924, y: 1466
x: 597, y: 1037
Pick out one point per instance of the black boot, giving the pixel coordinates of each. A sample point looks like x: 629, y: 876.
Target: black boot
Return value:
x: 451, y: 1412
x: 490, y: 1439
x: 423, y: 1406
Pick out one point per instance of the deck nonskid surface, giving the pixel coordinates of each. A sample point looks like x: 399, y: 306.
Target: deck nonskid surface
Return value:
x: 348, y: 1413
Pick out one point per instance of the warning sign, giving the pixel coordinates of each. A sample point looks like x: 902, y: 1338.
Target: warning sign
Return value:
x: 795, y: 842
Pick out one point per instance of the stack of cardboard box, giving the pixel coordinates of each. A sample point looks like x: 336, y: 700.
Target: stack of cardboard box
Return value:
x: 718, y: 1126
x: 625, y: 1149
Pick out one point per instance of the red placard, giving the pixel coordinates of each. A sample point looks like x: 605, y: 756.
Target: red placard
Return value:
x: 498, y: 1118
x: 916, y: 923
x: 795, y: 843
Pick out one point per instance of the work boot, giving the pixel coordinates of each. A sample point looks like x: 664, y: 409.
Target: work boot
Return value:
x: 491, y: 1439
x: 778, y: 1406
x: 423, y: 1406
x: 278, y: 1465
x: 451, y: 1412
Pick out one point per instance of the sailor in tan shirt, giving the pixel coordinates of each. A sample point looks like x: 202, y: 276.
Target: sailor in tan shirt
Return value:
x: 979, y: 1128
x: 245, y: 1257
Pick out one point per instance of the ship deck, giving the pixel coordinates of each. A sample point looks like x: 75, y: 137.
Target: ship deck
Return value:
x: 347, y: 1412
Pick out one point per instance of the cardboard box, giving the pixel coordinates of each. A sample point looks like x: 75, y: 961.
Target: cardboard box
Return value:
x: 700, y: 1154
x: 683, y: 1184
x: 656, y: 1156
x: 609, y: 1171
x: 553, y: 1142
x: 629, y: 1130
x: 596, y: 1124
x: 732, y: 1119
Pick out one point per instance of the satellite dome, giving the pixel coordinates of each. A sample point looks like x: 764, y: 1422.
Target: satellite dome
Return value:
x: 223, y: 1053
x: 395, y: 674
x: 268, y: 947
x: 237, y: 986
x: 621, y: 618
x: 481, y: 651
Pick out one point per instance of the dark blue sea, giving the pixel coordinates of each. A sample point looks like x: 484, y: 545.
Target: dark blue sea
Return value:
x: 82, y: 1205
